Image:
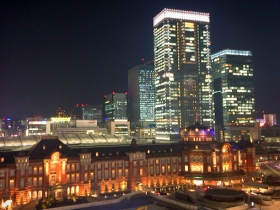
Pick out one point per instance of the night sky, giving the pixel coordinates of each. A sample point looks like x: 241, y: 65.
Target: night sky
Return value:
x: 62, y: 53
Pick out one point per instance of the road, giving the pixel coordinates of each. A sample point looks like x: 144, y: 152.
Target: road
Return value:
x: 269, y: 168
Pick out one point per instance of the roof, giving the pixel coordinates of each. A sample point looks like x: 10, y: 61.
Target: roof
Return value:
x: 12, y: 143
x: 197, y: 125
x: 202, y: 145
x: 256, y: 184
x: 231, y: 52
x: 181, y: 15
x: 115, y: 151
x: 47, y: 145
x: 212, y: 175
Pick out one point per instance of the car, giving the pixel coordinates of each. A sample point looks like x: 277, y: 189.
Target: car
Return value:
x: 160, y: 193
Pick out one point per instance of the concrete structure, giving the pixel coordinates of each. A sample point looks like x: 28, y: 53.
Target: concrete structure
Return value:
x: 143, y: 133
x: 37, y: 126
x: 232, y: 73
x: 183, y: 84
x: 118, y: 127
x: 59, y: 123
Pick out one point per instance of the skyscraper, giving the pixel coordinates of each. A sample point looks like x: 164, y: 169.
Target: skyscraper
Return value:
x: 115, y: 106
x: 141, y: 94
x: 183, y: 93
x: 232, y: 73
x: 88, y: 112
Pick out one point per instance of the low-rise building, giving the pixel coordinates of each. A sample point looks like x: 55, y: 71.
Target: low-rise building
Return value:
x: 54, y: 167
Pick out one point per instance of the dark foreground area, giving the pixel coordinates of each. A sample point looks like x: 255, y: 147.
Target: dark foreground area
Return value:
x: 133, y: 202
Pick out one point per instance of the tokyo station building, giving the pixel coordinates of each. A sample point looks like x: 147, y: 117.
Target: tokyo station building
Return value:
x: 52, y: 167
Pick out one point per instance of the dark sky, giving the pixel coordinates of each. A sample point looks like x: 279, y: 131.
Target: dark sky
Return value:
x: 60, y: 53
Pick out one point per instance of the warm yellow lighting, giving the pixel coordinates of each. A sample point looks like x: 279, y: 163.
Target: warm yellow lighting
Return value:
x: 63, y: 166
x: 7, y: 203
x: 60, y: 119
x: 47, y: 168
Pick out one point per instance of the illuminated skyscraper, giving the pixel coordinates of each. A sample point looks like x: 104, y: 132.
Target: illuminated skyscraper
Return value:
x: 232, y: 73
x: 115, y: 106
x: 183, y: 93
x: 141, y: 95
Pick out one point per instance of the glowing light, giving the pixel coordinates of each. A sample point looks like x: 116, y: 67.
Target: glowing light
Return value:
x: 7, y: 203
x: 231, y: 52
x: 181, y: 15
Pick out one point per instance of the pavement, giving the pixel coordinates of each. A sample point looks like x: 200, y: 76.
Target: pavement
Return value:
x: 276, y: 206
x: 144, y: 201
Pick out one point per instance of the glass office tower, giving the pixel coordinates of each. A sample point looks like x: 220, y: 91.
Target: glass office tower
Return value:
x: 182, y: 65
x: 141, y: 95
x: 115, y: 106
x: 232, y: 73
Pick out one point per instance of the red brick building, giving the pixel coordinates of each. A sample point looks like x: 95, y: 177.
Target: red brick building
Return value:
x: 51, y: 167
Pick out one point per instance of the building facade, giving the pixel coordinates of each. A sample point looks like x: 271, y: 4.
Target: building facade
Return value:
x: 182, y: 64
x: 88, y: 112
x: 118, y: 127
x: 141, y: 95
x: 115, y: 106
x: 37, y: 126
x: 232, y: 73
x: 51, y: 167
x: 12, y: 127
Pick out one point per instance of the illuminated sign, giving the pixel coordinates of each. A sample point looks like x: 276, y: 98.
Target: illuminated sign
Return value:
x: 37, y: 122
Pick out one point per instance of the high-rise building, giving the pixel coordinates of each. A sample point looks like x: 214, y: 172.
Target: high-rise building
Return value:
x: 232, y: 73
x: 115, y: 106
x: 141, y: 95
x: 88, y: 112
x: 11, y: 127
x: 183, y: 93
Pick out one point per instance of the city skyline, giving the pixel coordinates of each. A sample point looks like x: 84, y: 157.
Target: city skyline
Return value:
x: 63, y: 53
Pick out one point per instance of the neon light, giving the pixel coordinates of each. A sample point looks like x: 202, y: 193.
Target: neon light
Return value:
x: 181, y: 15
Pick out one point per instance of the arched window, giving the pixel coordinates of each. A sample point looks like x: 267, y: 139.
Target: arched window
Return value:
x: 34, y: 195
x: 77, y: 190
